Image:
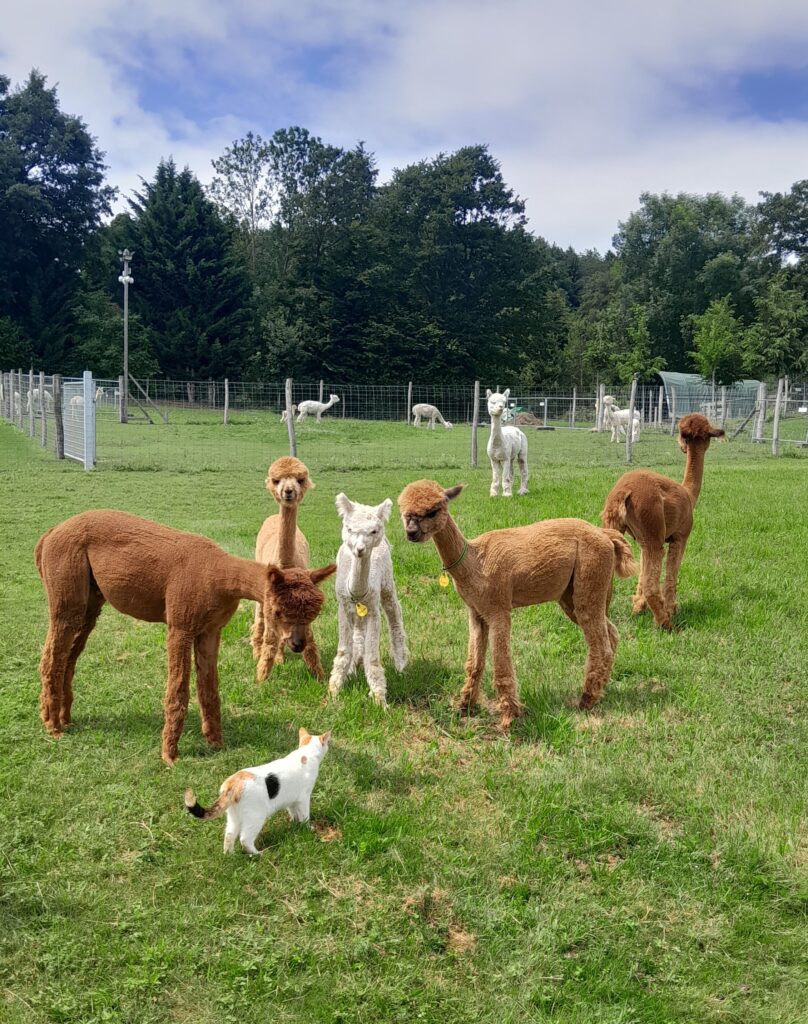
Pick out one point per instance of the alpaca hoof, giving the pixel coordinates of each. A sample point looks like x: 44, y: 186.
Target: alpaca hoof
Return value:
x: 522, y: 493
x: 587, y: 701
x: 493, y: 492
x: 170, y: 759
x: 279, y: 659
x: 400, y: 661
x: 508, y: 714
x: 638, y: 605
x: 215, y: 741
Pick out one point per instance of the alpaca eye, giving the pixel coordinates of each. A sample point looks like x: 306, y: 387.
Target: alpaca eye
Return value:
x: 275, y: 483
x: 300, y: 481
x: 373, y: 533
x: 432, y: 514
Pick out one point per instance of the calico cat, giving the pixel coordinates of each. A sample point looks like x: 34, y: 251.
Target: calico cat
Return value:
x: 252, y: 795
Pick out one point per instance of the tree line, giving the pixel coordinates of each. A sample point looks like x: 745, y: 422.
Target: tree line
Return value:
x: 297, y: 261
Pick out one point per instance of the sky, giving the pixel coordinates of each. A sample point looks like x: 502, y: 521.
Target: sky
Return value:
x: 586, y: 105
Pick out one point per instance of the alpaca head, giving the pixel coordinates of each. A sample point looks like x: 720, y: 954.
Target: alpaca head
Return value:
x: 608, y: 400
x: 497, y: 402
x: 362, y: 525
x: 696, y: 431
x: 424, y: 507
x: 333, y: 398
x: 288, y: 480
x: 294, y: 599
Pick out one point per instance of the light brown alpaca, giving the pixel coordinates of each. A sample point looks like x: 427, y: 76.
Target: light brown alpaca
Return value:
x: 564, y: 560
x: 655, y: 511
x: 157, y: 574
x: 281, y: 542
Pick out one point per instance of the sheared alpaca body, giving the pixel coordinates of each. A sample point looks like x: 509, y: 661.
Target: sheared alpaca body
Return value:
x: 564, y: 560
x: 656, y: 511
x: 76, y: 407
x: 34, y: 396
x: 365, y: 582
x: 17, y: 401
x: 423, y: 410
x: 314, y: 408
x: 252, y: 795
x: 506, y: 446
x: 280, y: 542
x: 285, y: 414
x: 617, y: 419
x: 157, y: 574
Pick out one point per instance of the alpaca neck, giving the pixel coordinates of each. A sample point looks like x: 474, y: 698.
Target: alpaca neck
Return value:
x: 694, y: 472
x: 450, y: 543
x: 496, y: 428
x: 359, y: 576
x: 245, y: 579
x: 287, y: 535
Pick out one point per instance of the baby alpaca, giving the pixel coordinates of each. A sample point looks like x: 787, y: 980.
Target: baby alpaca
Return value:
x: 617, y: 419
x: 364, y: 586
x: 254, y: 794
x: 313, y: 407
x: 430, y: 412
x: 506, y: 445
x: 285, y: 414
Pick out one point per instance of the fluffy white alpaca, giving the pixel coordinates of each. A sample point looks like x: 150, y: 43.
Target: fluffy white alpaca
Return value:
x: 76, y: 407
x: 17, y: 402
x: 34, y: 395
x: 505, y: 445
x: 285, y: 413
x: 430, y: 412
x: 364, y: 587
x: 313, y: 407
x: 617, y: 419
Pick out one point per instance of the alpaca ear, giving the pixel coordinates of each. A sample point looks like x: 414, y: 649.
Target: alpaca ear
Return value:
x: 274, y: 573
x: 452, y: 492
x: 717, y: 432
x: 506, y: 393
x: 303, y: 736
x: 318, y: 575
x: 344, y: 505
x: 488, y: 392
x: 383, y: 511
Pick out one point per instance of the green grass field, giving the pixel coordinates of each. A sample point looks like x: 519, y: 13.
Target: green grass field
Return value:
x: 647, y: 862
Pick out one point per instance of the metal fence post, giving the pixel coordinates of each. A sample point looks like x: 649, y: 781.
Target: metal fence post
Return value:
x: 630, y: 424
x: 89, y: 420
x: 776, y: 424
x: 409, y: 404
x: 723, y: 406
x: 43, y: 410
x: 545, y: 403
x: 659, y: 410
x: 321, y: 391
x: 599, y: 414
x: 57, y: 416
x: 226, y: 399
x: 290, y: 419
x: 475, y: 418
x: 673, y: 409
x: 31, y: 411
x: 574, y: 402
x: 122, y: 417
x: 19, y: 404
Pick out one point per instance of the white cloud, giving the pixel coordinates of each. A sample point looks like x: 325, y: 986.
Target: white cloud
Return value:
x: 582, y: 103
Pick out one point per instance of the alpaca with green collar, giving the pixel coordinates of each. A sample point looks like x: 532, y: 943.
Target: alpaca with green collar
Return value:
x: 364, y: 587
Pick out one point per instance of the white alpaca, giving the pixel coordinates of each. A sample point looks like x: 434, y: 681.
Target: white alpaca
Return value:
x: 364, y: 587
x: 505, y: 445
x: 34, y: 395
x: 100, y: 394
x: 76, y: 407
x: 285, y: 413
x: 617, y: 419
x: 432, y: 412
x: 17, y: 404
x: 312, y: 406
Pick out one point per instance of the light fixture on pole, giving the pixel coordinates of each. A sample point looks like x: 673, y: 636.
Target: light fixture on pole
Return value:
x: 126, y: 279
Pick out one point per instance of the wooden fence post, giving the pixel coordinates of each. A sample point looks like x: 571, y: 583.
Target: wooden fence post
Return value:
x: 475, y: 418
x: 43, y: 409
x: 57, y: 416
x: 19, y: 389
x: 321, y: 391
x: 290, y: 419
x: 723, y: 406
x: 31, y: 410
x: 409, y: 401
x: 630, y: 424
x: 574, y: 402
x: 599, y: 411
x: 659, y: 407
x: 776, y: 424
x: 673, y: 410
x: 226, y: 399
x: 760, y: 419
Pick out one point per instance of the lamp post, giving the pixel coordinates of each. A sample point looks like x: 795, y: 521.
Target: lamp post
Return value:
x: 126, y: 279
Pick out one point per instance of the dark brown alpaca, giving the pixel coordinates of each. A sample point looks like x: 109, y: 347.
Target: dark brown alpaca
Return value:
x: 656, y: 511
x: 564, y: 560
x: 157, y: 574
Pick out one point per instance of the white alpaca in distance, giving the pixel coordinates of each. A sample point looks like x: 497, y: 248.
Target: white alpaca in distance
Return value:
x: 312, y: 407
x: 364, y: 587
x: 506, y: 445
x: 617, y: 419
x: 423, y: 410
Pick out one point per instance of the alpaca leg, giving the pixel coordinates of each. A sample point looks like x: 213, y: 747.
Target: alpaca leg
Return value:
x: 676, y: 552
x: 269, y: 651
x: 504, y: 676
x: 638, y: 603
x: 398, y: 638
x: 522, y: 457
x: 358, y: 643
x: 432, y: 423
x: 94, y: 605
x: 179, y: 647
x: 311, y: 656
x: 344, y: 656
x: 600, y: 658
x: 507, y: 478
x: 417, y: 420
x: 62, y: 632
x: 649, y: 580
x: 374, y: 671
x: 494, y: 476
x: 475, y: 661
x: 206, y: 651
x: 257, y: 631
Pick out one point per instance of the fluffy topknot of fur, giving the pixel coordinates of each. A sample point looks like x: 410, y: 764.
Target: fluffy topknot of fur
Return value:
x: 293, y: 593
x: 420, y: 497
x: 287, y: 465
x: 695, y: 427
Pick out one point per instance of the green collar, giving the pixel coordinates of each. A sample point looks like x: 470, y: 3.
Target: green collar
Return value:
x: 457, y: 561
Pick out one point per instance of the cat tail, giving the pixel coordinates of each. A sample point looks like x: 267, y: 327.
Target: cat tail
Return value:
x: 193, y: 806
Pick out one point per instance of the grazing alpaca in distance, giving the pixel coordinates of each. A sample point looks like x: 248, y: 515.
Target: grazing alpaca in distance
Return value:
x: 364, y: 587
x: 285, y: 414
x: 564, y: 560
x: 312, y: 407
x: 423, y: 410
x: 506, y: 445
x: 281, y: 542
x: 617, y: 419
x: 34, y: 396
x: 655, y: 511
x: 157, y: 574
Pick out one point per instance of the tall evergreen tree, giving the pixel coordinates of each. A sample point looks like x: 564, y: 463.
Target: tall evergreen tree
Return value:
x: 189, y: 289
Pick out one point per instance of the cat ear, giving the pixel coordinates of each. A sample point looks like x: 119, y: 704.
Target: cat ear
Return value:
x: 326, y: 736
x: 383, y: 510
x: 303, y: 736
x: 344, y: 505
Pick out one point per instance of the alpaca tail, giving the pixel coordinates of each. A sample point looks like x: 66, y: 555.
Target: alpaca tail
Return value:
x: 217, y: 808
x: 624, y: 562
x: 38, y: 550
x: 614, y: 514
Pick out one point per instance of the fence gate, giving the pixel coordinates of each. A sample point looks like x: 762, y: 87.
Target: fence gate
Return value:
x: 78, y: 415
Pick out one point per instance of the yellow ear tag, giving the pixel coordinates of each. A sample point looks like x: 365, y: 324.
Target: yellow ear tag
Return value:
x: 361, y: 609
x: 443, y: 579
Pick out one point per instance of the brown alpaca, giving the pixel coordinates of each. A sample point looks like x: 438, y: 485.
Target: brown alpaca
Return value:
x: 656, y: 511
x: 157, y: 574
x: 281, y: 542
x: 564, y: 560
